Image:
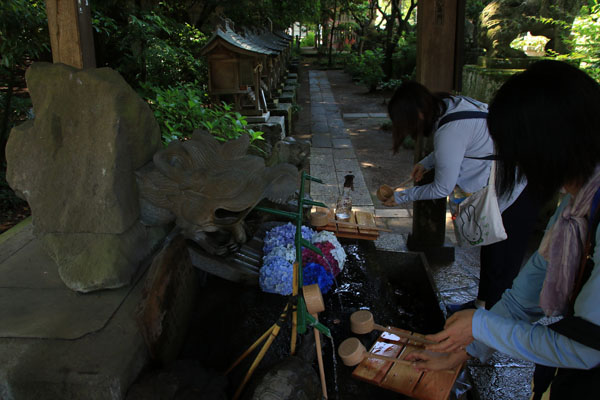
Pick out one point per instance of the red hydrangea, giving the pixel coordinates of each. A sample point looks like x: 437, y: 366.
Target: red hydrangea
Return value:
x: 329, y: 262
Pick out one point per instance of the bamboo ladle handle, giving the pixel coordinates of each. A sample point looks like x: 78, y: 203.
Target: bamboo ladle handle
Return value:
x: 361, y: 322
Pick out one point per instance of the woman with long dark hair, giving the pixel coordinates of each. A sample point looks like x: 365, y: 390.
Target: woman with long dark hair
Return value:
x: 461, y: 144
x: 545, y: 123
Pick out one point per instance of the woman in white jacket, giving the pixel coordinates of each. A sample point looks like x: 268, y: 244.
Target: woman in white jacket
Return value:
x: 461, y: 139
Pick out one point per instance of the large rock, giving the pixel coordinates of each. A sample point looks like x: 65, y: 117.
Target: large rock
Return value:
x: 94, y: 261
x: 74, y: 162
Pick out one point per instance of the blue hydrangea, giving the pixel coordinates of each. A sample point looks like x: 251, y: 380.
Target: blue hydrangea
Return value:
x: 316, y: 273
x: 283, y: 235
x: 276, y: 276
x: 288, y: 252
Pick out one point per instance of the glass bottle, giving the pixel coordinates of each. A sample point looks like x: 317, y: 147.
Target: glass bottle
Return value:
x: 343, y: 207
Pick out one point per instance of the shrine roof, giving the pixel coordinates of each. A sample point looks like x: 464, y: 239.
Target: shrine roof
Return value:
x: 238, y: 42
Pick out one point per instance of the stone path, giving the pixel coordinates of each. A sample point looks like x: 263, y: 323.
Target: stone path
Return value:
x: 332, y: 157
x: 332, y: 149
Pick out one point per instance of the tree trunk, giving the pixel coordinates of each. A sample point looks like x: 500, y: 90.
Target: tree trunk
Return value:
x: 4, y: 124
x: 390, y: 44
x: 332, y: 31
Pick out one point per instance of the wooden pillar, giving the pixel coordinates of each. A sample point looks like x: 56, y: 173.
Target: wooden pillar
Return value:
x: 437, y: 65
x: 70, y: 27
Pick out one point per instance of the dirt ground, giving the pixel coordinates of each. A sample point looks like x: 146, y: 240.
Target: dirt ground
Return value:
x: 372, y: 145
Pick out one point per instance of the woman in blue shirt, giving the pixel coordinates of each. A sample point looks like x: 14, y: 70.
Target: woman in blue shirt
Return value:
x: 546, y: 122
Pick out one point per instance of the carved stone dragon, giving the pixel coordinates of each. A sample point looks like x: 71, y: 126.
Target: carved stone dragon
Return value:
x: 208, y: 186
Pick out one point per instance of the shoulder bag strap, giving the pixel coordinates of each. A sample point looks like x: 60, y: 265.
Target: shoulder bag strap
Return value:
x: 455, y: 116
x: 573, y: 327
x: 467, y: 115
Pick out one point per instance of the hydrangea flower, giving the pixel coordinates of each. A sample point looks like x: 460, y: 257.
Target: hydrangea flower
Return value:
x: 315, y: 273
x: 287, y: 252
x: 284, y: 235
x: 338, y: 251
x: 328, y: 262
x: 276, y: 276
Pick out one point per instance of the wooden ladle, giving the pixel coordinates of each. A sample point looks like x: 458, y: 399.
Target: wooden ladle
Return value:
x: 362, y: 322
x: 314, y: 305
x: 321, y: 218
x: 352, y: 352
x: 385, y: 192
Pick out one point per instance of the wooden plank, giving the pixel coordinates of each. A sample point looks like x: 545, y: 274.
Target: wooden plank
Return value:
x: 70, y: 30
x: 366, y: 219
x: 349, y: 229
x: 372, y: 370
x: 435, y: 385
x: 402, y: 378
x: 390, y: 337
x: 346, y: 232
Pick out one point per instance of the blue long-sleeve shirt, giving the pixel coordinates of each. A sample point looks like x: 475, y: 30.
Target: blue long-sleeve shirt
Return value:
x: 510, y: 326
x: 451, y: 143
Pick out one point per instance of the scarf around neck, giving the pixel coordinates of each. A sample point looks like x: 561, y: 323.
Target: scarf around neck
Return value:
x: 562, y: 248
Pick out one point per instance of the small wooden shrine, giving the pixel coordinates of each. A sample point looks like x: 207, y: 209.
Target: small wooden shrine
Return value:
x: 235, y: 65
x: 245, y: 69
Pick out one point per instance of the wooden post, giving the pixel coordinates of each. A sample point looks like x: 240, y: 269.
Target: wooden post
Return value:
x: 437, y: 38
x: 70, y: 27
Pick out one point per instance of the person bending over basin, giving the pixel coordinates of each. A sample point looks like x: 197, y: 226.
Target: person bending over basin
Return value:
x: 544, y: 121
x: 461, y: 139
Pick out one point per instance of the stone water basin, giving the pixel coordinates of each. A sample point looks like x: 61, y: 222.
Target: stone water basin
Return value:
x: 229, y: 318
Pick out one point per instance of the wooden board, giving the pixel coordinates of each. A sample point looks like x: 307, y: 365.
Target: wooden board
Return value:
x: 352, y: 232
x: 404, y: 378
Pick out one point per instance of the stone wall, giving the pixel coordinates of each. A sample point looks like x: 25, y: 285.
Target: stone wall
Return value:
x: 482, y: 83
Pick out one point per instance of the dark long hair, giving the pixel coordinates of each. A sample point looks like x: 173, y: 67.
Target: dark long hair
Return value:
x: 546, y: 121
x: 410, y: 101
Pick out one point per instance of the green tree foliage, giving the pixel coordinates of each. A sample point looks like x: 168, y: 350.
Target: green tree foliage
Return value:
x: 150, y: 46
x: 23, y: 38
x: 586, y: 39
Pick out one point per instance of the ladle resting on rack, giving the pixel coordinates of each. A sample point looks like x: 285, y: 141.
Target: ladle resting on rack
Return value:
x: 362, y: 322
x: 352, y: 352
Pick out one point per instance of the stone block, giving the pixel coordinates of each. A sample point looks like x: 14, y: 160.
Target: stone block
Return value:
x: 273, y: 130
x: 287, y: 97
x: 284, y: 110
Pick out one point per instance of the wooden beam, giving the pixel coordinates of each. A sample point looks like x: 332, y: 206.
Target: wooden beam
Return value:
x: 70, y: 27
x: 436, y: 43
x: 438, y: 64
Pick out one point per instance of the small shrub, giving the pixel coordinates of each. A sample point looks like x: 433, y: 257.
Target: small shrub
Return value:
x: 181, y: 109
x: 370, y: 72
x: 386, y: 126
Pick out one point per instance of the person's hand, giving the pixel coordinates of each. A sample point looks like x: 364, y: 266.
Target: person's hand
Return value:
x: 418, y: 172
x: 424, y: 360
x: 457, y: 333
x: 391, y: 202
